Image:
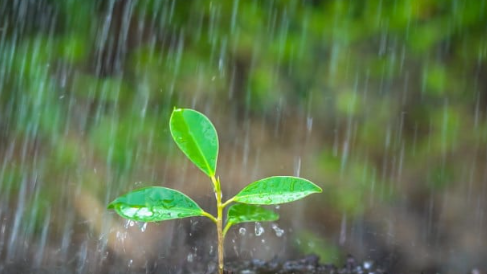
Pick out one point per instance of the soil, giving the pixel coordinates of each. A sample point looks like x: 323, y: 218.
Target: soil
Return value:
x: 309, y: 264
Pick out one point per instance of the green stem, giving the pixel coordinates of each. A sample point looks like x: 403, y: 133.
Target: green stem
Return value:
x: 227, y: 227
x: 227, y: 202
x: 211, y: 217
x: 219, y: 222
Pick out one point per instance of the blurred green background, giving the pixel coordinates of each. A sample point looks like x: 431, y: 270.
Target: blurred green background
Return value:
x: 382, y: 103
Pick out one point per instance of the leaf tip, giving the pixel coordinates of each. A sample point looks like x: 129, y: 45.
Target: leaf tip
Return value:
x: 111, y: 205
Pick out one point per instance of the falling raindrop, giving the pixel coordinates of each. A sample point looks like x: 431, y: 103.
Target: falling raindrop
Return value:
x: 309, y: 124
x: 297, y: 167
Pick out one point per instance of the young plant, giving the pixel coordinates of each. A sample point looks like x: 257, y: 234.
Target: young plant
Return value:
x: 196, y: 136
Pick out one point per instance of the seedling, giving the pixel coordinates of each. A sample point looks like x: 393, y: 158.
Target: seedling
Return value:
x: 196, y: 136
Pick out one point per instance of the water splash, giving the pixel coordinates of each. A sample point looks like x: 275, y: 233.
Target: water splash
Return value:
x: 279, y: 232
x: 258, y: 229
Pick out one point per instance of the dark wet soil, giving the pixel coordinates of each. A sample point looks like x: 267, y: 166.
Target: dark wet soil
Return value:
x: 309, y: 264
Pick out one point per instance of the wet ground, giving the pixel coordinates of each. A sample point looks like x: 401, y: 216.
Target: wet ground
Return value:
x: 308, y: 264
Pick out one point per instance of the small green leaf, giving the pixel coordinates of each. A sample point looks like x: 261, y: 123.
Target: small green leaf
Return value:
x: 153, y: 204
x: 196, y: 136
x: 242, y: 213
x: 276, y: 190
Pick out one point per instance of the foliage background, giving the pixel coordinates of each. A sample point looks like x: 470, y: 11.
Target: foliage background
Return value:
x: 382, y: 103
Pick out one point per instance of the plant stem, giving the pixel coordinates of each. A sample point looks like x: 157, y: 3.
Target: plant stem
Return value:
x: 227, y: 227
x: 219, y: 228
x: 219, y: 221
x: 209, y: 216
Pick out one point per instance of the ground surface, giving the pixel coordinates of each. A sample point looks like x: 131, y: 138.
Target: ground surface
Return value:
x: 309, y: 264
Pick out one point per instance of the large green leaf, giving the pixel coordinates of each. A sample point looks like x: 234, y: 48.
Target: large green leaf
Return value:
x: 276, y: 190
x: 243, y: 213
x: 153, y: 204
x: 196, y: 136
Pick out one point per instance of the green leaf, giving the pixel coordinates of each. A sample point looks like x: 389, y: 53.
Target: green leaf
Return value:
x: 196, y: 136
x: 242, y: 213
x: 276, y: 190
x: 153, y: 204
